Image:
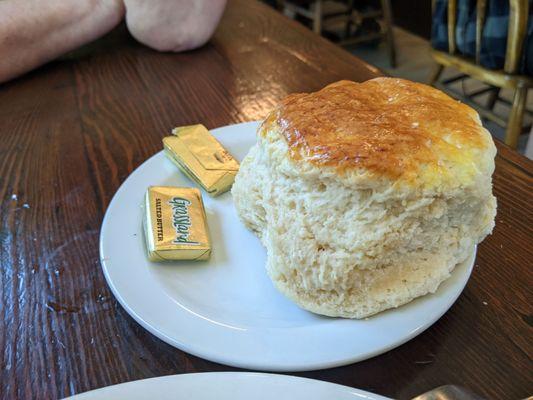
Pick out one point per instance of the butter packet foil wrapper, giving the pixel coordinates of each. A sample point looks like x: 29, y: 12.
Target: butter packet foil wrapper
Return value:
x: 175, y: 224
x: 202, y: 158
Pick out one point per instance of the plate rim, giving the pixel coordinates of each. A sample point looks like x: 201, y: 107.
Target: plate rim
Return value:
x: 358, y: 393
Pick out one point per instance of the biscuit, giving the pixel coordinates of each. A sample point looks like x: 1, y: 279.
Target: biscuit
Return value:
x: 367, y: 195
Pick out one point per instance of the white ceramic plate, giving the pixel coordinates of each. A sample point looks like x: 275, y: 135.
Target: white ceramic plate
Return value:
x: 226, y: 310
x: 228, y: 386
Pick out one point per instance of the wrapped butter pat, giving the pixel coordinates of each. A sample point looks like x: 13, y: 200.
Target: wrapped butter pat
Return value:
x: 175, y: 224
x: 202, y: 158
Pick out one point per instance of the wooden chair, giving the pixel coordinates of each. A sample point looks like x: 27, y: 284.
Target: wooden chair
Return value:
x: 313, y: 10
x: 498, y: 79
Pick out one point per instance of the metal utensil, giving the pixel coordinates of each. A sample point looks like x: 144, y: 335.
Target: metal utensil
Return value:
x: 448, y: 392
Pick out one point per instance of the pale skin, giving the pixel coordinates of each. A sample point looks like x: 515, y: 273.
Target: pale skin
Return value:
x: 33, y: 32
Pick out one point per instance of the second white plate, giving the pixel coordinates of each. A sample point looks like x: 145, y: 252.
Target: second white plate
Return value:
x: 226, y: 310
x: 227, y: 386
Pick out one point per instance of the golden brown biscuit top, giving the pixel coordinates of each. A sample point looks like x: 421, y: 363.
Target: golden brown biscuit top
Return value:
x: 385, y: 125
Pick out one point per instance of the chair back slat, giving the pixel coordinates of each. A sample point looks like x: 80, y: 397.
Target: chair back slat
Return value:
x: 480, y: 22
x: 452, y: 22
x: 516, y: 34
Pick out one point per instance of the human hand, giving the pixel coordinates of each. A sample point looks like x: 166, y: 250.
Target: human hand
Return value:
x: 173, y: 25
x: 33, y: 32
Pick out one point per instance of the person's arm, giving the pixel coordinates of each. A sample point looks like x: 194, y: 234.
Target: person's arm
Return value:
x: 33, y: 32
x: 173, y: 25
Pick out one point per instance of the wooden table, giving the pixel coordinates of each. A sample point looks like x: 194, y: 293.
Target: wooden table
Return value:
x: 71, y: 132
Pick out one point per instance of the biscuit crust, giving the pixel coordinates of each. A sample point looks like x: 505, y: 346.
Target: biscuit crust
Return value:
x: 390, y: 127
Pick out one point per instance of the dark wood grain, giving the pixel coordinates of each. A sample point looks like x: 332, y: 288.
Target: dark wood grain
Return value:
x: 72, y: 131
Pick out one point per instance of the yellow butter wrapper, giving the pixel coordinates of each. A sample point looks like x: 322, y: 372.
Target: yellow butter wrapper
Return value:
x: 175, y: 224
x: 202, y: 158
